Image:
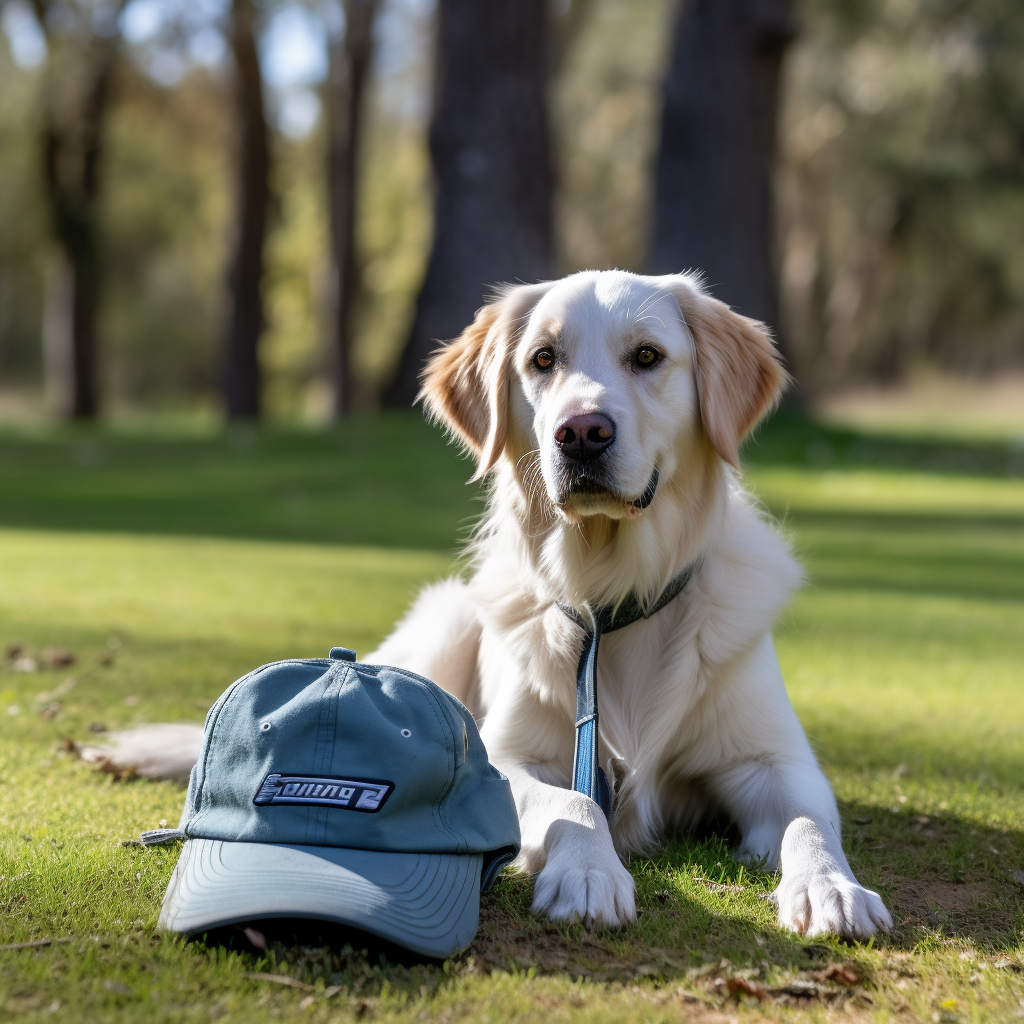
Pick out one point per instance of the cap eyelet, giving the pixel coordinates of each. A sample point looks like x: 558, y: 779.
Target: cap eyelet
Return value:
x: 266, y: 726
x: 407, y: 733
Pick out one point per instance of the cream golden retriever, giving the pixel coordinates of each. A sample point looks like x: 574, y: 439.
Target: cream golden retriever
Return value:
x: 607, y: 409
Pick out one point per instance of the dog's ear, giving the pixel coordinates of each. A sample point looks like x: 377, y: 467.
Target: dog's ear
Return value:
x: 466, y: 381
x: 739, y: 370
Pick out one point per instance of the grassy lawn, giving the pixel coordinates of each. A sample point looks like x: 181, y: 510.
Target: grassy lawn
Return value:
x: 169, y: 564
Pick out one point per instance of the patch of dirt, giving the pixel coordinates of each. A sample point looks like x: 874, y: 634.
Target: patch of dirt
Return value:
x: 708, y: 993
x: 503, y: 944
x: 959, y: 907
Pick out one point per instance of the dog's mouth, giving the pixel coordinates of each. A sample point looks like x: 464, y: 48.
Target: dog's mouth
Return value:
x: 586, y: 491
x: 649, y: 491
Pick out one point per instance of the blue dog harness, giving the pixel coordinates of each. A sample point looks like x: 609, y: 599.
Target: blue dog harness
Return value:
x: 587, y: 775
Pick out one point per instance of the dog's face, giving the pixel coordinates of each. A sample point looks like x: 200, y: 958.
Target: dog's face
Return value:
x: 605, y: 380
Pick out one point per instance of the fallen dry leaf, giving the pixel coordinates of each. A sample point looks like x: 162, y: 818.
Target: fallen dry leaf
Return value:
x: 748, y: 987
x: 844, y: 974
x: 57, y: 657
x: 51, y: 710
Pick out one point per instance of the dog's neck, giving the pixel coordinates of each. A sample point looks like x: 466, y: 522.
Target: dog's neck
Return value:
x: 599, y: 560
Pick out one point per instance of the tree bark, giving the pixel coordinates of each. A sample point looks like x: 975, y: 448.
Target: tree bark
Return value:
x: 349, y: 59
x: 713, y: 193
x: 493, y: 177
x: 80, y: 71
x: 241, y: 378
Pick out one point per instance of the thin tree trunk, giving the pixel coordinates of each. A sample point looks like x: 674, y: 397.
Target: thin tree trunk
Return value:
x: 713, y: 203
x: 72, y: 150
x: 492, y: 164
x: 241, y: 369
x: 567, y: 24
x: 350, y: 57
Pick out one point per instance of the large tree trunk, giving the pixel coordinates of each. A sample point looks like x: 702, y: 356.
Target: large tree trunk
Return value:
x: 492, y: 169
x: 241, y: 369
x: 713, y: 205
x: 77, y: 96
x: 349, y: 64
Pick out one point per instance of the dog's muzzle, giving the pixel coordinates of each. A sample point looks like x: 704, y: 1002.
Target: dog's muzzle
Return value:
x: 592, y: 482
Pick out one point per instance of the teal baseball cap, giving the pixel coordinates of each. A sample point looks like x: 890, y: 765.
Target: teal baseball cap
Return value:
x: 351, y: 793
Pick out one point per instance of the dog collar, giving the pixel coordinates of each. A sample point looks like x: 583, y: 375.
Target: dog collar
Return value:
x: 587, y: 775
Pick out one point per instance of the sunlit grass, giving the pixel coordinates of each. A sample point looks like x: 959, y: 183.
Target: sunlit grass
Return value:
x: 171, y: 564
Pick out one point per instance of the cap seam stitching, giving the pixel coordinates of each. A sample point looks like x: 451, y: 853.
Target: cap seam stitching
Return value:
x: 216, y: 712
x: 446, y: 725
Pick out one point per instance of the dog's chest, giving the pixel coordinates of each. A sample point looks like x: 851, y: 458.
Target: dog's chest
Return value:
x: 650, y: 689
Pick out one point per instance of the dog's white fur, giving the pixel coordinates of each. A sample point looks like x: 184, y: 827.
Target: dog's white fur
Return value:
x: 694, y: 714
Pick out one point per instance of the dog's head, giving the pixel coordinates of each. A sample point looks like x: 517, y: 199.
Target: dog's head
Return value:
x: 608, y: 379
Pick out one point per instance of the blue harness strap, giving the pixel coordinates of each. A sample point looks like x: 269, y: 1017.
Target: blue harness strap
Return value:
x: 588, y: 776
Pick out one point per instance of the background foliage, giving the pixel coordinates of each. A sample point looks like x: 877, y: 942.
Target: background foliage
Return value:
x: 900, y: 191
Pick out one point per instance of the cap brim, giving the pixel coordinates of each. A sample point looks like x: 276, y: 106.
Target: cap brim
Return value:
x: 426, y: 902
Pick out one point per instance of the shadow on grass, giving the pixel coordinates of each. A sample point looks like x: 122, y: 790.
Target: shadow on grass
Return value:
x: 308, y: 951
x: 936, y: 572
x: 794, y: 440
x: 941, y: 875
x: 699, y: 914
x: 387, y: 480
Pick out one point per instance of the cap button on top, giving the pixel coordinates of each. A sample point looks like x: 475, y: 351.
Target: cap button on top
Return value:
x: 342, y: 654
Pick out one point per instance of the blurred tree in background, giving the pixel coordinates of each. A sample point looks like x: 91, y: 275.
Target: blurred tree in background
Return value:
x: 901, y: 189
x: 240, y: 373
x: 81, y: 41
x: 714, y: 207
x: 350, y: 51
x: 493, y: 173
x: 898, y: 184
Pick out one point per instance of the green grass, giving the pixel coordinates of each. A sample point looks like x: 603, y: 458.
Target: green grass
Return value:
x: 170, y: 564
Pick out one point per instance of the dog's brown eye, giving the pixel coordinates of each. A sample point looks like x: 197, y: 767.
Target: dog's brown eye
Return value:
x: 544, y: 359
x: 646, y: 356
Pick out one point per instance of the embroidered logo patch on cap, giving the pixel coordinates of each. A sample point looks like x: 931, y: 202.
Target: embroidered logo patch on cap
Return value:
x: 368, y: 795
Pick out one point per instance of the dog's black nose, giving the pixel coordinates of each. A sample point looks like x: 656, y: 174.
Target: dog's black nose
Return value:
x: 584, y: 437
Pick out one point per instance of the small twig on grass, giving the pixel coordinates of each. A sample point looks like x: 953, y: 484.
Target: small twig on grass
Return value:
x: 279, y: 979
x: 36, y: 943
x: 713, y: 886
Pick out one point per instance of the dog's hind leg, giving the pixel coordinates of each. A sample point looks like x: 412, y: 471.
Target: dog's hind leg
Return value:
x: 439, y: 637
x: 153, y: 751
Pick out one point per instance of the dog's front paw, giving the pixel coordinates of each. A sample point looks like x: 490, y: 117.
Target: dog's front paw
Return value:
x: 598, y: 894
x: 829, y: 902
